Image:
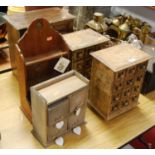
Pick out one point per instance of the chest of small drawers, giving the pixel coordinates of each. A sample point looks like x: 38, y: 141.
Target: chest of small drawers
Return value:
x: 58, y: 106
x: 116, y: 79
x: 81, y: 44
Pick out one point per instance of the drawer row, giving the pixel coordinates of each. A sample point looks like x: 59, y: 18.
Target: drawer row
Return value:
x: 130, y: 72
x: 66, y: 124
x: 66, y: 106
x: 85, y: 53
x: 124, y: 103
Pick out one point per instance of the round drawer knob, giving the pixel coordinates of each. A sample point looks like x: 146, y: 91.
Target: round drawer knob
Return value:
x: 126, y: 103
x: 59, y: 125
x: 77, y: 111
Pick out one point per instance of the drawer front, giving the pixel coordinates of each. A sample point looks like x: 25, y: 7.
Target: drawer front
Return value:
x: 141, y: 68
x: 77, y: 55
x: 78, y: 98
x: 57, y: 129
x: 130, y: 72
x: 88, y: 63
x: 57, y: 111
x: 77, y: 118
x: 79, y: 66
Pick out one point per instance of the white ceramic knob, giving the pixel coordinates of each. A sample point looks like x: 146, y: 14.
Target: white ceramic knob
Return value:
x: 78, y: 111
x: 77, y: 130
x: 59, y: 125
x: 59, y: 141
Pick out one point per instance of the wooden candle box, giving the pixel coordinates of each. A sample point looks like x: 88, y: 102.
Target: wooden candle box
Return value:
x: 116, y: 79
x: 81, y: 44
x: 60, y: 100
x: 37, y: 53
x: 17, y: 24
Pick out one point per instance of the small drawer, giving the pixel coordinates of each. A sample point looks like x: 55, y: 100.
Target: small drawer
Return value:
x: 77, y: 55
x: 57, y: 129
x: 129, y: 82
x: 139, y: 79
x: 141, y: 68
x: 120, y: 75
x: 77, y: 117
x: 136, y: 90
x: 88, y: 63
x: 116, y: 98
x: 118, y: 86
x: 127, y: 92
x: 125, y: 102
x: 134, y: 98
x: 115, y: 108
x: 78, y: 98
x: 130, y: 72
x: 58, y: 111
x: 79, y: 66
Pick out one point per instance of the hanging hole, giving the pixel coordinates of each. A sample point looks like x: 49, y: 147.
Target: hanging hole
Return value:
x: 39, y: 25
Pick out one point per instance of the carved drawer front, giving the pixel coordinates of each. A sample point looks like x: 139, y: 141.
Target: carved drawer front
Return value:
x: 141, y: 67
x: 139, y: 79
x: 129, y: 82
x: 79, y: 66
x: 126, y: 92
x: 125, y: 102
x: 77, y: 55
x: 57, y: 129
x: 77, y: 117
x: 116, y: 98
x: 130, y: 72
x: 88, y: 63
x: 118, y: 86
x: 58, y: 110
x: 77, y: 99
x: 119, y: 76
x: 134, y: 98
x: 115, y: 108
x: 136, y: 90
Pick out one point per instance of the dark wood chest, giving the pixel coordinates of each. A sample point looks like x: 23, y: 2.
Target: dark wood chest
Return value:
x: 81, y: 44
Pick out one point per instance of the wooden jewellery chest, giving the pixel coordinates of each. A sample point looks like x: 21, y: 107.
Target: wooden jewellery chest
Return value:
x: 81, y: 44
x: 58, y: 106
x: 116, y: 79
x: 17, y: 24
x: 37, y: 52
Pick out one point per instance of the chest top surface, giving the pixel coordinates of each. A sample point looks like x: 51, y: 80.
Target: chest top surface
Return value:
x: 84, y: 38
x: 23, y: 20
x: 121, y: 56
x: 62, y: 88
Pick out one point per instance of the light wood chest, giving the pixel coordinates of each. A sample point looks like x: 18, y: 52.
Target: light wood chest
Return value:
x: 81, y: 44
x: 116, y: 79
x: 58, y: 106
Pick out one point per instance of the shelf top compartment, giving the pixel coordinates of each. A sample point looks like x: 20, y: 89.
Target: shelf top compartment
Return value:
x: 61, y: 86
x: 84, y: 38
x: 53, y: 15
x: 121, y: 56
